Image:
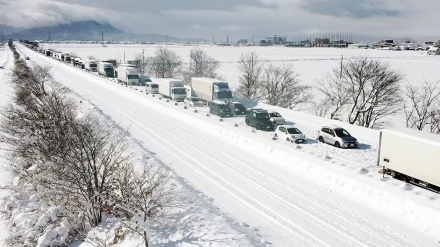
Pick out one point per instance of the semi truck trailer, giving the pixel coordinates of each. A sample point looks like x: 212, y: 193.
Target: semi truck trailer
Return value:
x: 411, y: 155
x: 128, y: 75
x: 208, y: 89
x: 106, y: 69
x: 91, y: 65
x: 172, y: 88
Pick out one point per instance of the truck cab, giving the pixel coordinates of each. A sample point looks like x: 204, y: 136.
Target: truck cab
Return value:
x: 152, y: 87
x: 178, y: 94
x: 222, y: 92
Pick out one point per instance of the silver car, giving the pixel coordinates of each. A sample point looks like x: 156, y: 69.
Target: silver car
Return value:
x: 193, y: 102
x: 276, y: 118
x: 337, y: 136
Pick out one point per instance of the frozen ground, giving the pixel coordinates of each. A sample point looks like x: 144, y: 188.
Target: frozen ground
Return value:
x: 260, y: 191
x: 310, y: 63
x: 5, y: 95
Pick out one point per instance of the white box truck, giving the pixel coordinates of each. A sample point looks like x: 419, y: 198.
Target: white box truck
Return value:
x: 172, y: 88
x: 128, y: 75
x: 91, y: 65
x: 411, y: 155
x: 208, y: 89
x: 106, y: 69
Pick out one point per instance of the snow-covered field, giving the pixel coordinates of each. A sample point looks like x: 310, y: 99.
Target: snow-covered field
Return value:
x: 310, y: 63
x: 250, y: 190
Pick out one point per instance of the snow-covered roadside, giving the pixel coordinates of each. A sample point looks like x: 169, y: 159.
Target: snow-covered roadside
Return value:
x: 342, y: 178
x: 191, y: 220
x: 6, y: 93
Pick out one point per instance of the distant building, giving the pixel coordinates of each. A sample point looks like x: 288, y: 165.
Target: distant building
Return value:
x: 242, y: 41
x: 386, y: 43
x: 274, y: 40
x: 357, y: 46
x: 433, y: 50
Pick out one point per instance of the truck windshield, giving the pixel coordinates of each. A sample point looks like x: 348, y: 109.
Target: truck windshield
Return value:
x: 154, y: 86
x: 224, y: 95
x: 109, y: 72
x: 222, y: 86
x: 179, y: 91
x: 132, y: 77
x: 93, y: 65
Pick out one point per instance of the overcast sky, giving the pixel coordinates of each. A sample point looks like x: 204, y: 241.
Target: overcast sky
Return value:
x: 218, y: 19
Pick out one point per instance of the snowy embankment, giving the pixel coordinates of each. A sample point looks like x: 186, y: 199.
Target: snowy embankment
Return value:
x: 313, y: 195
x: 6, y: 92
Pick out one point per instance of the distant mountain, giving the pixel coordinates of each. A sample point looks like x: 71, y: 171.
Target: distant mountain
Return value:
x: 5, y: 29
x: 80, y: 30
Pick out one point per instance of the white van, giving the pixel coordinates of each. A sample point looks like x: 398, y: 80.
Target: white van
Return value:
x: 151, y: 87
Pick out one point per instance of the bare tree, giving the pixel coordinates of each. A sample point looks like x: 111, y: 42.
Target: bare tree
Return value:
x: 142, y: 196
x: 165, y: 63
x: 141, y: 62
x: 435, y: 121
x: 69, y: 161
x: 97, y: 154
x: 249, y: 81
x: 422, y: 106
x: 372, y: 88
x: 200, y: 65
x: 281, y: 87
x: 335, y: 93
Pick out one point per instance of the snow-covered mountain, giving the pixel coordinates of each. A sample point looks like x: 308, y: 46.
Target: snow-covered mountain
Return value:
x: 80, y: 30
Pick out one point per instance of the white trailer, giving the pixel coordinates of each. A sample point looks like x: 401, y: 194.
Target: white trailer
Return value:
x: 91, y: 65
x: 189, y: 91
x: 128, y: 75
x: 411, y: 155
x: 209, y: 89
x: 106, y: 69
x: 172, y: 88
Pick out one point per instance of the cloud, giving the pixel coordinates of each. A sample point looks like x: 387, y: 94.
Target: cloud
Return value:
x: 39, y: 13
x: 351, y: 8
x: 236, y: 19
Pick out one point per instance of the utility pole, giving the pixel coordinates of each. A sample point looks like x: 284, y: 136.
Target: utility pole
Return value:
x: 143, y: 62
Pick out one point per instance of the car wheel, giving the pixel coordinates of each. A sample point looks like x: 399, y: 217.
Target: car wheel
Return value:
x: 321, y: 139
x: 247, y: 122
x: 275, y: 136
x: 337, y: 144
x: 287, y: 139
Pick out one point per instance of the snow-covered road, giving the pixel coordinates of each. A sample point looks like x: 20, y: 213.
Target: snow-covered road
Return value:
x: 248, y: 175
